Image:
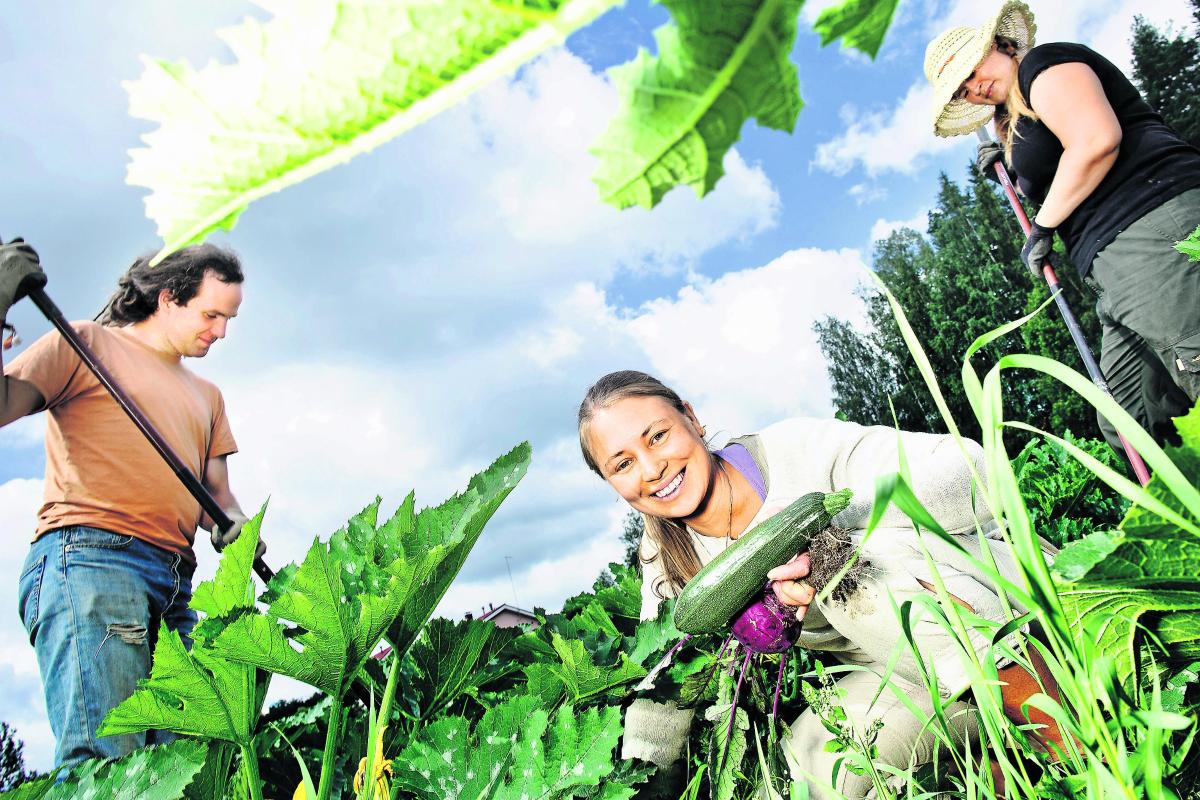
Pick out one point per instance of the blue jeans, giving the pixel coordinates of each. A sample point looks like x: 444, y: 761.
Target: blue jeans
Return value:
x: 92, y: 602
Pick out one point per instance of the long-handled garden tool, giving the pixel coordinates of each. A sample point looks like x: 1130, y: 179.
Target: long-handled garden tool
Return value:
x: 1089, y: 362
x: 33, y: 287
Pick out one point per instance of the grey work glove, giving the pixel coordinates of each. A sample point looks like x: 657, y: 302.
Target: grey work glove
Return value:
x: 18, y: 263
x: 988, y: 154
x: 1037, y: 248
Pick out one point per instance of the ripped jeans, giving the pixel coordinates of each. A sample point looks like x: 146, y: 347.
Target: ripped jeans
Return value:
x: 92, y: 602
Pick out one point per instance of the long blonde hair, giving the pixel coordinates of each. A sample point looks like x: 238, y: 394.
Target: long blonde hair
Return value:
x: 670, y: 537
x: 1015, y: 107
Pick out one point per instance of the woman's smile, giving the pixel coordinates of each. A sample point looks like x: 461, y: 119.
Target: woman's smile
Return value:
x: 671, y: 490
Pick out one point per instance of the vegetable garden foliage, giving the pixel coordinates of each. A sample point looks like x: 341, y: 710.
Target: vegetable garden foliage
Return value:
x: 326, y: 80
x: 468, y: 710
x: 322, y: 621
x: 1119, y: 613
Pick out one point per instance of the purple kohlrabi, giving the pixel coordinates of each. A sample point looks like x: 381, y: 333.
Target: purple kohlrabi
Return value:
x: 767, y: 625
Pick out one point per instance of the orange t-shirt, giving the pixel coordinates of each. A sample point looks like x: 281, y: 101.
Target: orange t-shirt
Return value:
x: 100, y: 470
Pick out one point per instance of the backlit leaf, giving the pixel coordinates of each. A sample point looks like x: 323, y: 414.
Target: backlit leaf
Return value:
x: 718, y: 64
x: 326, y: 617
x: 319, y: 83
x: 860, y: 24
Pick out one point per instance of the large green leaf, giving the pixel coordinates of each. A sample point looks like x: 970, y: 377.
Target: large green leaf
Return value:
x: 456, y: 658
x: 441, y: 539
x: 337, y: 624
x: 575, y: 753
x: 154, y: 773
x: 35, y: 789
x: 319, y: 83
x: 445, y: 760
x: 1147, y: 574
x: 201, y: 693
x: 861, y: 24
x: 516, y: 751
x: 578, y: 677
x: 1190, y: 246
x: 1111, y: 618
x: 326, y: 617
x: 718, y: 64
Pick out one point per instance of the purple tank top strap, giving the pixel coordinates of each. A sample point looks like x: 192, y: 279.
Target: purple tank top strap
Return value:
x: 740, y: 459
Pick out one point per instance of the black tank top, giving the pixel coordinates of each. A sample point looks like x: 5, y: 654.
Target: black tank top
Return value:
x: 1153, y: 163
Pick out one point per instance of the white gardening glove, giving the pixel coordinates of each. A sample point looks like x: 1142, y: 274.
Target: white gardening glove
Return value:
x: 222, y: 539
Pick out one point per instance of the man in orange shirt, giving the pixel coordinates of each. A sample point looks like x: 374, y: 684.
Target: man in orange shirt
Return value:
x: 112, y: 553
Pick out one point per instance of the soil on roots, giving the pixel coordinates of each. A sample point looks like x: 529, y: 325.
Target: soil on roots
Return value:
x: 829, y: 552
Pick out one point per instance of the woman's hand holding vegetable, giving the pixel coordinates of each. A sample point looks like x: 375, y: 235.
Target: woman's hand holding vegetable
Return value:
x: 786, y: 581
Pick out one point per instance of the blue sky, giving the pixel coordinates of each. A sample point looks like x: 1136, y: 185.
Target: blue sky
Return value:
x: 413, y: 314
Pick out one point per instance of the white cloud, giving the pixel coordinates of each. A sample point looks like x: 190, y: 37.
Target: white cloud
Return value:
x: 742, y: 346
x: 21, y: 703
x: 899, y: 140
x: 864, y: 193
x: 884, y: 228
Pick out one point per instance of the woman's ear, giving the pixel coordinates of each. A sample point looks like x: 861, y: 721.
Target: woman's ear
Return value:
x: 689, y: 414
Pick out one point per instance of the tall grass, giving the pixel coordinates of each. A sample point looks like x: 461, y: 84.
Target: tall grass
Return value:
x: 1119, y: 740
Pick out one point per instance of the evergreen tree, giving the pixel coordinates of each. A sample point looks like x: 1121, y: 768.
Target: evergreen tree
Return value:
x: 12, y: 759
x: 1166, y: 69
x: 963, y: 280
x: 632, y: 529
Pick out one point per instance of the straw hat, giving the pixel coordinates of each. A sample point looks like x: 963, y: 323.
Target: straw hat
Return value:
x: 953, y: 56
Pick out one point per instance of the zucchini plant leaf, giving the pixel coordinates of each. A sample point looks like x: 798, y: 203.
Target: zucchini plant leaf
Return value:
x: 654, y: 636
x: 575, y: 752
x: 445, y: 759
x: 515, y: 751
x: 456, y: 658
x: 1111, y: 618
x: 1190, y: 246
x: 367, y: 581
x: 621, y: 596
x: 35, y: 789
x: 578, y: 677
x: 316, y: 85
x: 860, y: 24
x: 200, y: 692
x: 441, y: 539
x: 1147, y: 550
x: 718, y: 64
x: 152, y: 773
x: 1145, y: 573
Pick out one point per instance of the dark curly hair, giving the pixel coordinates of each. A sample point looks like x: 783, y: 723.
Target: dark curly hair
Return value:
x: 180, y: 274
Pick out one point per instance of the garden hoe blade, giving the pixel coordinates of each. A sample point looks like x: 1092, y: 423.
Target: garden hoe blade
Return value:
x: 34, y: 289
x: 1085, y: 352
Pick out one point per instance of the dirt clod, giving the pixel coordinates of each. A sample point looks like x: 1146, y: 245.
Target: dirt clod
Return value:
x: 829, y: 551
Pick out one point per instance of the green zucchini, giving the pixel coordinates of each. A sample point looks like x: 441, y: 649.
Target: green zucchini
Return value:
x: 730, y: 581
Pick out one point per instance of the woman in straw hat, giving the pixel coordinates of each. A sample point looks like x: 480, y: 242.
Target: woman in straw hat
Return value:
x: 1113, y: 180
